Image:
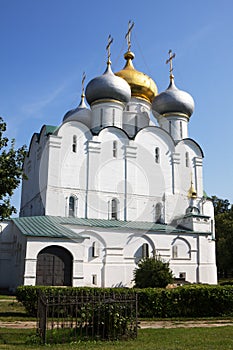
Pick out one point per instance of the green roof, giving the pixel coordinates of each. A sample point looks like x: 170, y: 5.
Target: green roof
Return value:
x: 56, y: 226
x: 50, y: 129
x: 43, y: 226
x: 116, y: 224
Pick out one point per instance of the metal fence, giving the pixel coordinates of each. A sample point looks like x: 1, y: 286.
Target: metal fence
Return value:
x: 86, y: 315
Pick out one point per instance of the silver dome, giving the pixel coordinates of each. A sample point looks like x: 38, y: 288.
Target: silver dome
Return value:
x: 173, y: 100
x: 108, y: 86
x: 81, y: 114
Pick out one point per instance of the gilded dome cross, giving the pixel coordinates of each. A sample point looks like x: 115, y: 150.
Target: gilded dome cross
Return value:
x: 128, y: 34
x: 83, y: 80
x: 110, y: 40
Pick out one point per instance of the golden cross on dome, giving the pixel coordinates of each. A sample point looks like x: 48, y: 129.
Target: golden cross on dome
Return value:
x: 169, y: 60
x: 128, y: 34
x: 110, y: 40
x: 83, y: 80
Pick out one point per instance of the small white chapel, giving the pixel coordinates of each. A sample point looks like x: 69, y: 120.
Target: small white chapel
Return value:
x: 116, y: 181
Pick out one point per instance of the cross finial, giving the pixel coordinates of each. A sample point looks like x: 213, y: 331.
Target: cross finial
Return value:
x: 83, y: 80
x: 110, y: 40
x: 128, y: 34
x: 169, y: 60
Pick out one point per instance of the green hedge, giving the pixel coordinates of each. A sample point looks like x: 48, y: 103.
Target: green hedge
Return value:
x: 186, y: 301
x: 28, y: 295
x: 226, y: 283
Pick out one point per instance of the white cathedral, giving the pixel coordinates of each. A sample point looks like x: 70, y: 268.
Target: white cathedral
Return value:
x: 112, y: 185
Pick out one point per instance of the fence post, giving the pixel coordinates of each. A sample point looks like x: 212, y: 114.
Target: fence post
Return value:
x: 42, y: 317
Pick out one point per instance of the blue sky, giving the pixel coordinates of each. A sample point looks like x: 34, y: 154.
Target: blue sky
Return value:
x: 45, y: 45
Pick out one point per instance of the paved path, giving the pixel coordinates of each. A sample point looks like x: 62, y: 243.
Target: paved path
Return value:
x: 18, y: 324
x: 142, y: 324
x: 185, y: 324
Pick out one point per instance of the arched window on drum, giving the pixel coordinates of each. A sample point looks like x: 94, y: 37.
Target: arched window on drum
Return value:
x: 114, y: 209
x: 74, y: 144
x: 72, y: 206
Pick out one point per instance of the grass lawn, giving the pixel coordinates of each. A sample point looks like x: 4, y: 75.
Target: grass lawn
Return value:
x: 11, y: 310
x: 148, y: 339
x: 7, y: 297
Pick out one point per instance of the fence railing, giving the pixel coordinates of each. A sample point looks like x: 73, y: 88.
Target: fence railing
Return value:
x: 86, y: 315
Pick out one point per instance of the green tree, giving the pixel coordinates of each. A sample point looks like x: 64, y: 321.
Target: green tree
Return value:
x: 152, y: 272
x: 220, y: 205
x: 11, y: 171
x: 224, y: 242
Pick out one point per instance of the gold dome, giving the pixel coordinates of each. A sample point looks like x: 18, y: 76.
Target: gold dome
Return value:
x: 141, y: 85
x: 192, y: 193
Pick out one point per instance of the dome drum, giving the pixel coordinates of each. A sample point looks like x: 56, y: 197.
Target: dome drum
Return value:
x: 106, y: 114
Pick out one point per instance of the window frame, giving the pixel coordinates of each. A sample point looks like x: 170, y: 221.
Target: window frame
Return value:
x: 114, y: 209
x: 114, y: 149
x: 157, y: 155
x: 187, y: 160
x: 145, y: 250
x: 72, y: 211
x: 74, y: 144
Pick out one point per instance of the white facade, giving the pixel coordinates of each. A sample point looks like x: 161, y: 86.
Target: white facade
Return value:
x: 118, y: 166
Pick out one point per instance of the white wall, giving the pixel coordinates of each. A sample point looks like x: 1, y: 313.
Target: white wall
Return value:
x: 94, y: 175
x: 117, y: 253
x: 12, y: 252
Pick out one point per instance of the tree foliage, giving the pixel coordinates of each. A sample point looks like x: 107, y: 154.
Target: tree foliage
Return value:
x: 224, y: 237
x: 220, y: 205
x: 152, y: 272
x: 11, y: 171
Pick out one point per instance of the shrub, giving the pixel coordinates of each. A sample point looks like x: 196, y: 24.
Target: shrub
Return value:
x: 152, y: 272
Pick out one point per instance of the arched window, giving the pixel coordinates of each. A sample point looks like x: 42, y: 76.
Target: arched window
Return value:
x: 74, y: 145
x: 186, y: 159
x: 101, y: 117
x: 94, y: 279
x: 95, y: 249
x: 181, y: 249
x: 181, y: 130
x: 158, y: 213
x: 170, y: 126
x: 136, y: 123
x: 71, y: 206
x: 114, y: 209
x: 157, y: 155
x: 113, y: 117
x: 175, y: 252
x: 145, y: 250
x: 114, y: 149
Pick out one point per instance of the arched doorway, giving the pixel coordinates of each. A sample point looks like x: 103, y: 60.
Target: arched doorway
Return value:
x: 54, y: 267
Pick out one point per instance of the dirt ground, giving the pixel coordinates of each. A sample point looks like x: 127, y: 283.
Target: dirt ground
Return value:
x: 142, y: 324
x: 185, y: 324
x: 18, y: 324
